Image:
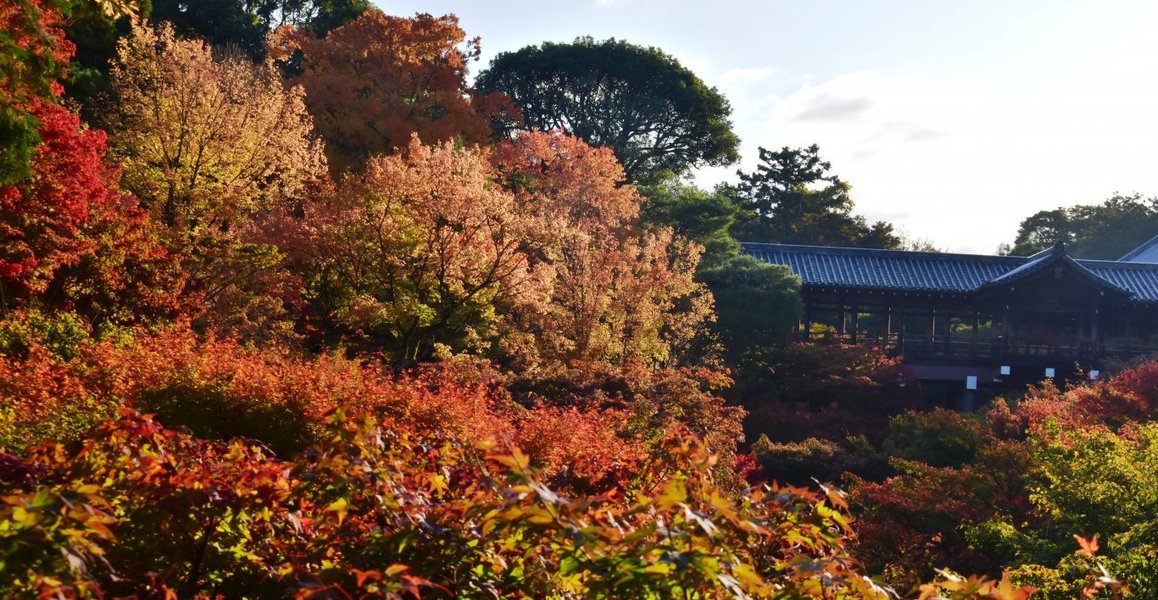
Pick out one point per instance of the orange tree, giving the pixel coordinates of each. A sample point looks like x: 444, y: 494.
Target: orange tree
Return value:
x: 415, y: 253
x: 373, y: 82
x: 620, y: 291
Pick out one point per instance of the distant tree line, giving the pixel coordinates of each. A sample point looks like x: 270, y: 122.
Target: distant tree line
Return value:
x: 1105, y: 231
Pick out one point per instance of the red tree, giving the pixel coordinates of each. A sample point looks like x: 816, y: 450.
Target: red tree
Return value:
x: 70, y: 238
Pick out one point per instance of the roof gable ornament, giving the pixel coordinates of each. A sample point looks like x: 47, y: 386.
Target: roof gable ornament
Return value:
x: 1054, y: 259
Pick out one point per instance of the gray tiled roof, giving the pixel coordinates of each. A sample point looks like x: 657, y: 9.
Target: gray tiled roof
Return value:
x: 1146, y: 253
x: 933, y: 271
x: 1140, y: 279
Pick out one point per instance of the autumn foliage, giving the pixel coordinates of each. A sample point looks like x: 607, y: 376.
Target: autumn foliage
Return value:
x: 454, y: 366
x: 416, y: 252
x: 247, y: 513
x: 72, y: 239
x: 34, y: 54
x: 1007, y: 489
x: 374, y: 82
x: 378, y: 511
x: 621, y: 291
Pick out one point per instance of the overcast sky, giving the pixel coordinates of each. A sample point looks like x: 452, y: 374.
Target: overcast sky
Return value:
x: 954, y: 120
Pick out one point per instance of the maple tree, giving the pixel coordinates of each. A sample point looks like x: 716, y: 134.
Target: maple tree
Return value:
x: 210, y: 144
x: 417, y: 251
x: 207, y: 141
x: 72, y: 239
x: 34, y: 62
x: 373, y: 82
x: 33, y: 57
x: 621, y: 291
x: 56, y: 382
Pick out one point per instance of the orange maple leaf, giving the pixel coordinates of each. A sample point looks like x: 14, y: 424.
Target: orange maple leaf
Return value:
x: 1087, y: 547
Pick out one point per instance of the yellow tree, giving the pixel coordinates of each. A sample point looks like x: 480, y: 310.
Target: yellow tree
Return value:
x: 209, y: 141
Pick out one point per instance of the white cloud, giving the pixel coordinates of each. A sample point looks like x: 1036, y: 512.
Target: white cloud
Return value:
x: 962, y: 161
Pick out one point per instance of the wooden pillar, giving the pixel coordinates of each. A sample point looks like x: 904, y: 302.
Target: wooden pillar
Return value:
x: 968, y: 401
x: 948, y: 334
x: 932, y: 330
x: 904, y: 328
x: 1006, y: 345
x: 973, y: 338
x: 807, y: 321
x: 843, y: 320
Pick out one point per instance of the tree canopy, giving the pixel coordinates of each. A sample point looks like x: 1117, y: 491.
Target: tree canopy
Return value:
x: 621, y: 291
x: 655, y: 114
x: 417, y: 250
x: 207, y: 139
x: 209, y: 142
x: 69, y: 238
x: 1103, y: 231
x: 373, y: 82
x: 792, y: 197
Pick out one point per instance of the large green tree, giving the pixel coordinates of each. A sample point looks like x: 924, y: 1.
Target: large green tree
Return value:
x: 655, y: 114
x: 694, y: 213
x: 1099, y: 231
x: 792, y: 197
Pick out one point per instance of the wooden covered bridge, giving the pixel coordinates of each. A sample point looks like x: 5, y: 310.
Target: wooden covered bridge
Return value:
x: 980, y: 324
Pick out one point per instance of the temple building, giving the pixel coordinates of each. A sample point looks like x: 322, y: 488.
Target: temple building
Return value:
x: 972, y: 326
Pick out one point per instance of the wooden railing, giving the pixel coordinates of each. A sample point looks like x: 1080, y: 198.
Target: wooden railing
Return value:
x: 966, y: 346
